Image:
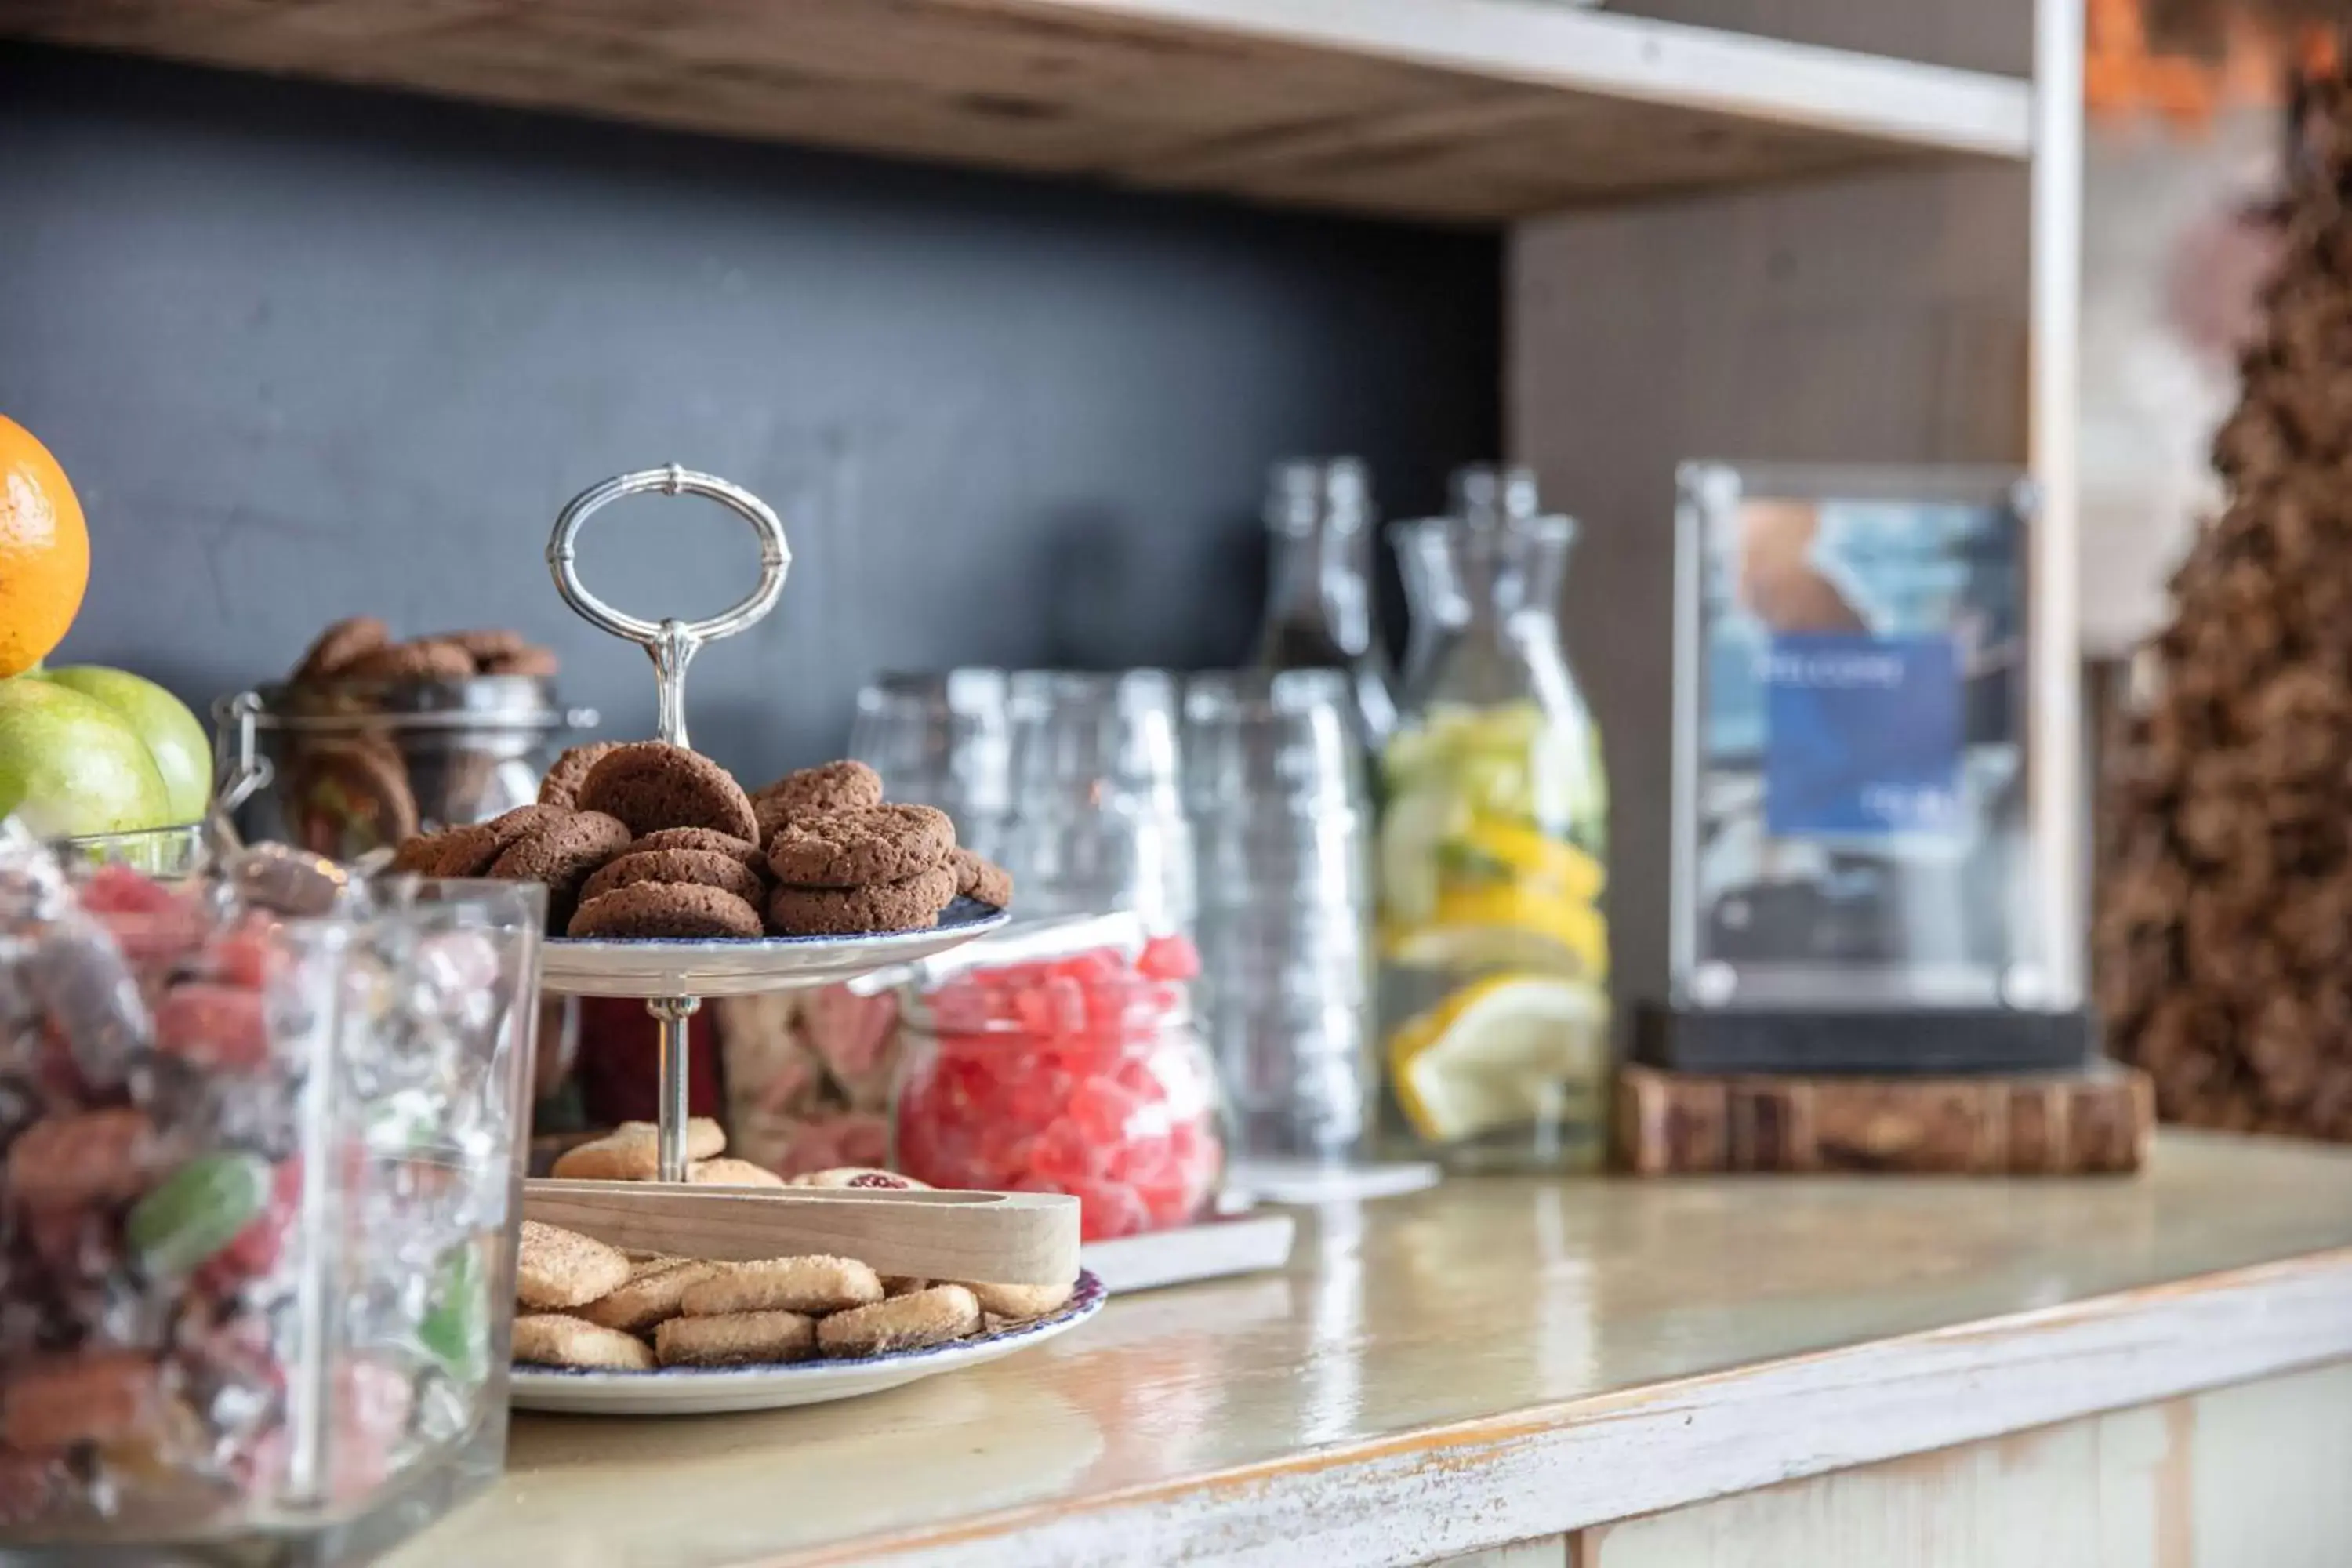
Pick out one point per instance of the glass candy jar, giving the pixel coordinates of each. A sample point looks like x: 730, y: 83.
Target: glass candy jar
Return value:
x: 257, y: 1206
x: 1079, y: 1074
x: 1494, y: 954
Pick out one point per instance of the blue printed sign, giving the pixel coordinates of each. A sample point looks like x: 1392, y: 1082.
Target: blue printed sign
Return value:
x: 1862, y: 734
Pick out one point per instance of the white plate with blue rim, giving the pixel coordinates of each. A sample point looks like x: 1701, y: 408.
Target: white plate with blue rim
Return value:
x: 723, y: 966
x: 713, y: 1391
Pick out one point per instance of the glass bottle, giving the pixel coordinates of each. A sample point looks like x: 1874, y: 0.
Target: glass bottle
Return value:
x: 1495, y: 955
x: 1319, y: 606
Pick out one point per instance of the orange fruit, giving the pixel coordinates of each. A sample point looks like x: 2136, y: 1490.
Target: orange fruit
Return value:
x: 44, y: 551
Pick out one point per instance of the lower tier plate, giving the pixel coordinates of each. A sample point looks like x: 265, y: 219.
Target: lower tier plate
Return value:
x: 712, y: 1391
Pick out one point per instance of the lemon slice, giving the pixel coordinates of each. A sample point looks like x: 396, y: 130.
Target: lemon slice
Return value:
x: 1411, y: 834
x: 1505, y: 927
x: 1560, y: 867
x: 1505, y: 1051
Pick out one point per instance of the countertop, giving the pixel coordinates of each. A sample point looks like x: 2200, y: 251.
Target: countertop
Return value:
x: 1487, y: 1361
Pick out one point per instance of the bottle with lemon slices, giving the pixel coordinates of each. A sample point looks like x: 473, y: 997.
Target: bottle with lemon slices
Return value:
x: 1493, y: 952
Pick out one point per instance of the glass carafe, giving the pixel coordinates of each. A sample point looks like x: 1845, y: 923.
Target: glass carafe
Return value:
x: 1319, y: 611
x: 1495, y: 955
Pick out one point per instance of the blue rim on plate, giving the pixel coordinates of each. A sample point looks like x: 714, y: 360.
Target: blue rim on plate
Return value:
x: 1085, y: 1301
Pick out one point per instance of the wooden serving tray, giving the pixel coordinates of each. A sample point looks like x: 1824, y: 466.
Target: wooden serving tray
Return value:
x: 1010, y: 1238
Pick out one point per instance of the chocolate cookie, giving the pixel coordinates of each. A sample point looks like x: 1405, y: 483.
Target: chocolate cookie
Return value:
x: 464, y: 851
x: 743, y: 849
x: 488, y: 643
x: 666, y: 908
x: 472, y: 850
x: 812, y: 792
x: 983, y: 880
x: 913, y: 904
x: 867, y: 844
x: 652, y: 785
x: 426, y: 658
x: 698, y: 867
x: 340, y: 644
x: 421, y: 854
x: 535, y: 661
x: 561, y: 784
x: 563, y: 852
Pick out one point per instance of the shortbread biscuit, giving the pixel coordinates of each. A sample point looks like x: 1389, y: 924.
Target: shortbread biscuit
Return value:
x: 552, y: 1339
x: 815, y: 1284
x: 561, y: 784
x: 632, y: 1152
x: 1018, y: 1301
x: 696, y: 868
x: 651, y: 1295
x: 665, y: 910
x: 559, y: 1268
x: 907, y: 1322
x: 731, y: 1173
x: 736, y: 1339
x: 652, y: 785
x: 865, y: 845
x: 911, y: 905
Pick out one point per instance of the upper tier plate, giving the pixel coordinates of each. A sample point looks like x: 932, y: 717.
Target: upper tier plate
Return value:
x: 651, y: 966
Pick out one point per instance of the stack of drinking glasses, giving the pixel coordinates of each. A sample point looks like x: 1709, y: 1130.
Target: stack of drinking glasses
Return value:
x: 939, y: 738
x: 1069, y: 780
x: 1097, y: 817
x: 1273, y: 781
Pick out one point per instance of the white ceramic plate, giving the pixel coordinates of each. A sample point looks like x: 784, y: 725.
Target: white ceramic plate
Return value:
x: 697, y: 1391
x: 663, y: 966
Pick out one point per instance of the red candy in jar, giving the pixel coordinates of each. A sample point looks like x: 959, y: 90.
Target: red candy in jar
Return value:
x: 1079, y: 1074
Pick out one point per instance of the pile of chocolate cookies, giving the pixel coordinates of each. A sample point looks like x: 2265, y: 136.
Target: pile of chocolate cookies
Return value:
x: 360, y: 649
x: 653, y: 840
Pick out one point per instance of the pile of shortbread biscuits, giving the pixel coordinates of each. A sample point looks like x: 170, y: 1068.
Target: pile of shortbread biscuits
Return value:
x: 587, y: 1305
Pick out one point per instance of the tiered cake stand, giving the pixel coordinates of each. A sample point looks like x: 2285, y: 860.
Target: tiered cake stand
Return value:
x: 673, y: 976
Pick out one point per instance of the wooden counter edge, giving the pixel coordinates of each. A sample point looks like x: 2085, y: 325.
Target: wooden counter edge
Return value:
x: 1545, y: 1471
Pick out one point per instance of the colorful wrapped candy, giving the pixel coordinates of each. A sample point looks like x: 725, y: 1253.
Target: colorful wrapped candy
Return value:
x: 257, y: 1181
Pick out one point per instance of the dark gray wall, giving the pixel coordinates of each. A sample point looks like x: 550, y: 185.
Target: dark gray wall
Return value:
x: 308, y: 350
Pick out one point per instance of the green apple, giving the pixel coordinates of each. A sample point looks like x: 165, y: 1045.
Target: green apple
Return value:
x: 174, y: 737
x: 70, y: 765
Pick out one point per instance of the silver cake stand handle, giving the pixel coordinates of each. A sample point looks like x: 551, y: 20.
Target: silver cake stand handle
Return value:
x: 671, y: 644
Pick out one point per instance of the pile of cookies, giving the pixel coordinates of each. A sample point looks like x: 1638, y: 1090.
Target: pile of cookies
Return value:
x: 586, y: 1305
x: 360, y: 649
x: 631, y: 1152
x: 653, y: 840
